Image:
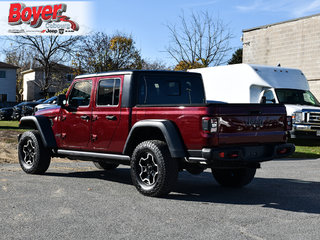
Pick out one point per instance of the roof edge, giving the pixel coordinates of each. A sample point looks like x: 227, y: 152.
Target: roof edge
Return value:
x: 28, y: 71
x: 122, y: 72
x: 278, y: 23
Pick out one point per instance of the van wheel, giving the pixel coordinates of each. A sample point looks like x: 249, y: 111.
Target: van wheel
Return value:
x: 34, y: 158
x: 106, y: 166
x: 153, y: 171
x: 236, y: 177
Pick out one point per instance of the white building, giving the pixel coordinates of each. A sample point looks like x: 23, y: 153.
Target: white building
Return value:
x: 33, y: 78
x: 8, y: 82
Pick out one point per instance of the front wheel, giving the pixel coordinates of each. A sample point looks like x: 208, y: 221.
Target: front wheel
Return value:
x: 235, y: 177
x: 34, y: 158
x: 153, y: 171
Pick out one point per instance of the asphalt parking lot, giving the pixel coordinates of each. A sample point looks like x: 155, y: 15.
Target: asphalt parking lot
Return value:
x: 74, y: 200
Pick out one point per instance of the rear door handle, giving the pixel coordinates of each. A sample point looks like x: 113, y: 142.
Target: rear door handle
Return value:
x: 111, y: 117
x: 85, y: 117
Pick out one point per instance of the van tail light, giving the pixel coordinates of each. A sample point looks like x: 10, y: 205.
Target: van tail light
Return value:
x: 210, y: 125
x: 283, y: 151
x: 289, y: 123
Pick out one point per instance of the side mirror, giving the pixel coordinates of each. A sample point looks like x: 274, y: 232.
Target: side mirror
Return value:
x: 75, y: 102
x: 263, y: 100
x: 62, y: 100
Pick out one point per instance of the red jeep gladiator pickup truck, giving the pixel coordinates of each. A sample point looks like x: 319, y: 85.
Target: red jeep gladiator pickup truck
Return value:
x: 157, y: 122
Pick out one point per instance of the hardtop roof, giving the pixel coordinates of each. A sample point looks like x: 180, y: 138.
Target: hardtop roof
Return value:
x: 129, y: 72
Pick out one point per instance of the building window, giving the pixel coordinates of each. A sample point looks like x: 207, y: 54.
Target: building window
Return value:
x: 69, y: 77
x: 3, y: 97
x: 2, y: 74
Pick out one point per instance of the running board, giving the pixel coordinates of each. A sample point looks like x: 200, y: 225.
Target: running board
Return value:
x: 90, y: 156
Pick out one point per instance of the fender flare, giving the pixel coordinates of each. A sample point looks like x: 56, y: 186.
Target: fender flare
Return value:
x: 170, y: 132
x: 43, y: 125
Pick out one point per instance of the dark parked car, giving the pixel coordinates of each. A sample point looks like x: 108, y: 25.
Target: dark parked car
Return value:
x: 49, y: 103
x: 6, y: 113
x: 24, y: 109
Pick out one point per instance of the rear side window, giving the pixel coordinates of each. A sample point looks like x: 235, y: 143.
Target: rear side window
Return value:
x: 108, y: 92
x: 165, y: 89
x: 80, y: 94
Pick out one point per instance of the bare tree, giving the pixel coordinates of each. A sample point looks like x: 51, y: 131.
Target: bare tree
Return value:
x: 154, y: 65
x: 92, y: 54
x: 199, y: 40
x: 123, y: 53
x: 47, y: 52
x: 99, y: 52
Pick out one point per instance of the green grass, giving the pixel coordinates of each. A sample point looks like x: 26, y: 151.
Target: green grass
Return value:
x: 308, y: 149
x: 9, y: 124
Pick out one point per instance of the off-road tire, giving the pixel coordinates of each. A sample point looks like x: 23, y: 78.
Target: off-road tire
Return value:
x: 235, y: 178
x: 104, y: 165
x: 34, y: 158
x: 153, y: 171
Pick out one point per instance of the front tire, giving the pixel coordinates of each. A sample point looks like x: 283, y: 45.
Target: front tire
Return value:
x: 153, y: 171
x: 236, y: 177
x: 34, y: 158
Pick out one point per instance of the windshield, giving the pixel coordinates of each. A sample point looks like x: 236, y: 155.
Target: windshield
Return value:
x: 50, y: 100
x: 295, y: 96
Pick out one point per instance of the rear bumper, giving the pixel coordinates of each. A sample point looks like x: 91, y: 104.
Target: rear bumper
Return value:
x: 241, y: 154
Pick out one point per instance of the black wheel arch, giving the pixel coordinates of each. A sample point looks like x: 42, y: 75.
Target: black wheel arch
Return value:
x: 43, y: 125
x: 164, y: 130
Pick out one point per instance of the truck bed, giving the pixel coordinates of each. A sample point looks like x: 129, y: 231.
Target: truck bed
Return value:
x: 238, y: 123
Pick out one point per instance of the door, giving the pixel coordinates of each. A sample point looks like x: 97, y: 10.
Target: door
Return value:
x: 106, y: 112
x: 76, y: 117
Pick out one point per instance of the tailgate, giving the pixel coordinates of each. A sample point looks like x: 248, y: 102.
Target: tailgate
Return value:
x: 250, y: 123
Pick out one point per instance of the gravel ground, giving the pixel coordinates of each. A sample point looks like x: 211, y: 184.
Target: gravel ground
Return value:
x: 74, y: 200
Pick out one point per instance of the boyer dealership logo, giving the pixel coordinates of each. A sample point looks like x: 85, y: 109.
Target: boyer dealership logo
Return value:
x: 52, y: 17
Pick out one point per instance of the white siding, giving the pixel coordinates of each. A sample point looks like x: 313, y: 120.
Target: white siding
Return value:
x: 28, y: 86
x: 8, y: 84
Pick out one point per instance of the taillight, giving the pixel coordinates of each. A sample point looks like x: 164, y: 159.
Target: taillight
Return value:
x: 283, y: 151
x: 210, y: 125
x: 289, y: 123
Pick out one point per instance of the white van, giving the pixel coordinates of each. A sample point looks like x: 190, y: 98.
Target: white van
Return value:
x: 248, y: 83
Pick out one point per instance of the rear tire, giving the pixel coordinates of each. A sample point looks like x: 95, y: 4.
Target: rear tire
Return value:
x: 236, y: 177
x: 105, y: 166
x: 153, y: 171
x: 34, y: 158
